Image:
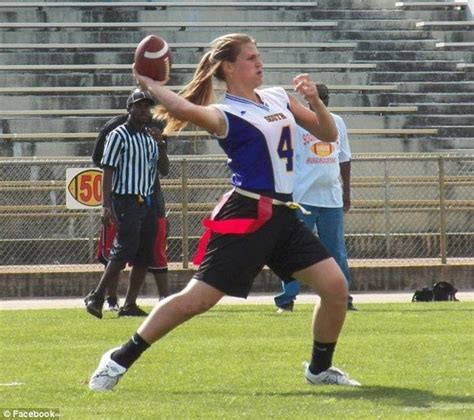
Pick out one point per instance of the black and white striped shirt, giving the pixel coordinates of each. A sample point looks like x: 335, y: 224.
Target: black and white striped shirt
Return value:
x: 134, y: 155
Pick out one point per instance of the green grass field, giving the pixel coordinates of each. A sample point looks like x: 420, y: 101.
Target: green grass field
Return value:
x: 414, y: 360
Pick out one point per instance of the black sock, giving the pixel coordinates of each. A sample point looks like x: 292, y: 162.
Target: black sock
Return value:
x: 321, y: 359
x: 127, y: 354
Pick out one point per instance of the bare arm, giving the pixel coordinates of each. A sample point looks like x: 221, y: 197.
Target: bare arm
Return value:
x: 163, y: 159
x: 162, y: 142
x: 107, y: 216
x: 206, y: 117
x: 346, y: 184
x: 317, y: 120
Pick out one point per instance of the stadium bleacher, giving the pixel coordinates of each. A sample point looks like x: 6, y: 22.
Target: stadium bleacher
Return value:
x: 78, y: 48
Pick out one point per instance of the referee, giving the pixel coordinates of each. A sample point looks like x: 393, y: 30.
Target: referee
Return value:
x: 129, y: 165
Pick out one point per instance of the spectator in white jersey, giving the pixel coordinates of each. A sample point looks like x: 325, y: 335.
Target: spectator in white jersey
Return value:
x: 322, y: 186
x: 129, y: 163
x: 254, y: 224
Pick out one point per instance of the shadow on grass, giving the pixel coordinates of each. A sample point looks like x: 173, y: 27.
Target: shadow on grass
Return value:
x: 386, y: 395
x: 442, y: 309
x: 363, y: 308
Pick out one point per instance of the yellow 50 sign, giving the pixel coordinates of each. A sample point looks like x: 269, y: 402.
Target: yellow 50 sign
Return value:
x: 83, y: 188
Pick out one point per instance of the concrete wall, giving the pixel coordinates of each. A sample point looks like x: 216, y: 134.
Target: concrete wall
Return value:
x: 365, y: 279
x: 470, y: 9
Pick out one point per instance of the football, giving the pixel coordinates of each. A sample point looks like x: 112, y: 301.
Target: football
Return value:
x: 153, y: 58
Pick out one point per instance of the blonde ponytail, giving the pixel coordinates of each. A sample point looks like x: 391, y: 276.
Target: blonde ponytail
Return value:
x: 200, y: 90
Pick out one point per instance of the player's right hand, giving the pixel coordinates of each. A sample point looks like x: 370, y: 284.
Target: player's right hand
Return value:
x: 145, y: 82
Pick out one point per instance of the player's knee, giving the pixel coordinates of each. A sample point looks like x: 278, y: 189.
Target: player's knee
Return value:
x: 335, y: 289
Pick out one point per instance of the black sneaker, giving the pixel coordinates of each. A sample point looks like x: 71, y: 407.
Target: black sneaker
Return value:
x: 131, y: 310
x: 112, y: 303
x: 94, y: 305
x: 286, y: 307
x: 351, y: 307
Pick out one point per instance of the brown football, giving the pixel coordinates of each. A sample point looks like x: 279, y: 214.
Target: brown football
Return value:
x: 153, y: 58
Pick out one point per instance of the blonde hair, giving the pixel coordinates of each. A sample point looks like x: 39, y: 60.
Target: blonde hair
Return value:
x: 200, y: 90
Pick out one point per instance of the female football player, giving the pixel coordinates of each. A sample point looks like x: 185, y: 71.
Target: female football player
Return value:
x: 254, y: 224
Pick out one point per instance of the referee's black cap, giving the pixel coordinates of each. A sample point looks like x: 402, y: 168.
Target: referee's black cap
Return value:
x: 139, y: 95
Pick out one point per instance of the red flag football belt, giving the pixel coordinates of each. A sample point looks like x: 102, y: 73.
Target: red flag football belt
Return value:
x: 239, y: 226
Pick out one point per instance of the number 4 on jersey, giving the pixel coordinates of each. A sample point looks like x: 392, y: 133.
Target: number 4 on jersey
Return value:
x: 285, y: 149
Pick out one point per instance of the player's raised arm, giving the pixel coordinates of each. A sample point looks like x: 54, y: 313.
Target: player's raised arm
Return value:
x: 317, y: 120
x: 179, y: 108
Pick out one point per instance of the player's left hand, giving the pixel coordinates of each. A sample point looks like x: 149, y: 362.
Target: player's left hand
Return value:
x: 306, y: 87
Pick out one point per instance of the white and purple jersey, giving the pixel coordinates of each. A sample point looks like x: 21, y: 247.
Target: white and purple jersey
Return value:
x: 259, y: 141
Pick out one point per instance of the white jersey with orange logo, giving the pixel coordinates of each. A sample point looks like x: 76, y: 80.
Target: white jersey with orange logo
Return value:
x: 317, y: 171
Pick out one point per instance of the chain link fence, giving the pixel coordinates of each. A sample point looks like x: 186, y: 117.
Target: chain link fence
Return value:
x: 403, y: 207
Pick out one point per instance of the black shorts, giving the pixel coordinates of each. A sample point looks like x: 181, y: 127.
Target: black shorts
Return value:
x: 284, y: 244
x: 160, y: 261
x: 136, y: 230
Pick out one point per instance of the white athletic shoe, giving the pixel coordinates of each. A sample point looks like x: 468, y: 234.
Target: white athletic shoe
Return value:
x: 332, y: 376
x: 286, y: 307
x: 107, y: 373
x: 112, y: 304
